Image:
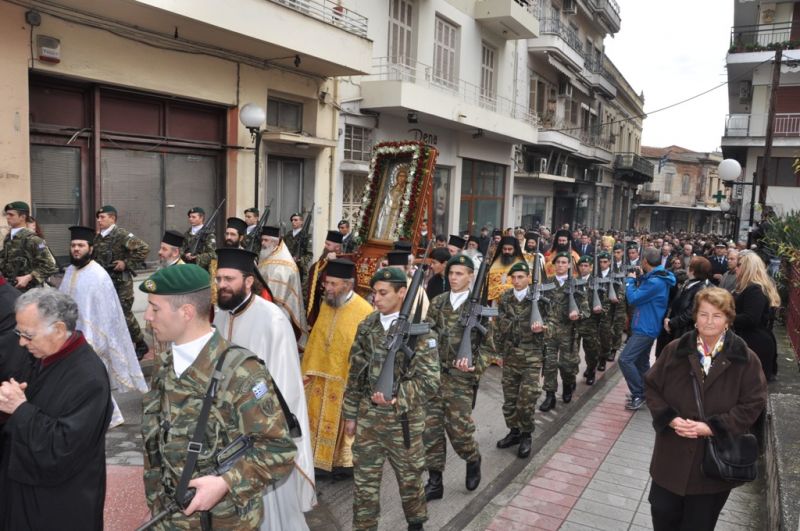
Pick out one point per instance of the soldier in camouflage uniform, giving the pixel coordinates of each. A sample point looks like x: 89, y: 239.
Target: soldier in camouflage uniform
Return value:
x: 206, y: 253
x: 25, y: 259
x: 605, y: 324
x: 619, y: 311
x: 450, y: 410
x: 523, y: 345
x: 586, y: 329
x: 376, y: 420
x: 561, y: 353
x: 299, y: 244
x: 179, y: 302
x: 120, y: 252
x: 251, y: 216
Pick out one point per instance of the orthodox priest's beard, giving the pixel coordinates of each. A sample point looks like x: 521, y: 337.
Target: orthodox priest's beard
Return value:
x: 227, y: 299
x: 81, y: 261
x: 266, y: 252
x: 336, y: 301
x: 562, y: 248
x: 506, y: 259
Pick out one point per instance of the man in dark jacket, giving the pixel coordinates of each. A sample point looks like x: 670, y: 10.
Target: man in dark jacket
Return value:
x: 649, y: 297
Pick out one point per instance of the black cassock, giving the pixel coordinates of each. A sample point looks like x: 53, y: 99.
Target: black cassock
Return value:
x: 53, y: 471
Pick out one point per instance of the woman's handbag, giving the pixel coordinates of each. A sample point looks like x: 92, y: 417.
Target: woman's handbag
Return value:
x: 728, y: 457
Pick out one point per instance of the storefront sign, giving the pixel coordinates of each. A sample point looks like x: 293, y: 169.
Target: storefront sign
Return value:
x: 422, y: 136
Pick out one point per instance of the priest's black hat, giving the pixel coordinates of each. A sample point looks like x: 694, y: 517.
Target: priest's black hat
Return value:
x: 334, y: 236
x: 457, y: 241
x: 398, y: 258
x: 233, y: 258
x: 173, y: 237
x: 563, y: 232
x: 402, y: 245
x: 440, y: 254
x: 76, y: 232
x: 341, y: 268
x: 238, y: 224
x: 268, y: 230
x: 508, y: 240
x: 531, y: 235
x: 497, y: 232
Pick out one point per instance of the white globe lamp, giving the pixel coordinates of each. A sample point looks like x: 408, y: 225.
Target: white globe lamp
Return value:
x: 729, y: 170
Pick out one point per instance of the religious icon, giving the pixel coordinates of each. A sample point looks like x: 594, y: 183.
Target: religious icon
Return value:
x: 390, y: 199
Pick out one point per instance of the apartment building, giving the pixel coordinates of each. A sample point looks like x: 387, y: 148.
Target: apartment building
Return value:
x: 686, y: 193
x: 758, y: 28
x: 136, y: 103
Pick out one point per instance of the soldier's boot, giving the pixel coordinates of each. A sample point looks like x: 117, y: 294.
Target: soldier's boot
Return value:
x: 415, y: 527
x: 525, y: 441
x: 549, y: 401
x: 434, y: 489
x: 601, y: 363
x: 511, y: 439
x: 473, y: 474
x: 566, y: 395
x: 612, y: 355
x: 590, y: 377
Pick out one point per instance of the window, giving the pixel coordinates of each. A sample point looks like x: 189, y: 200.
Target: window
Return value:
x: 286, y: 115
x: 400, y: 32
x: 445, y: 54
x: 357, y: 143
x: 780, y: 172
x: 487, y: 76
x: 285, y: 186
x: 533, y: 211
x: 668, y: 182
x: 482, y: 195
x: 353, y: 188
x: 441, y: 200
x: 685, y: 184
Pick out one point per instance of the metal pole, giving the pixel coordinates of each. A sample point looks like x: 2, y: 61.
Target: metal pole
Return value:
x: 776, y: 77
x: 257, y: 135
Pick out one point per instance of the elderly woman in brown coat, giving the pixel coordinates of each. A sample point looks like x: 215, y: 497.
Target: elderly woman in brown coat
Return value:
x: 733, y: 393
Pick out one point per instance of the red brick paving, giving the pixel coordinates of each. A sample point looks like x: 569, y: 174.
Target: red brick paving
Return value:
x: 125, y: 507
x: 551, y: 493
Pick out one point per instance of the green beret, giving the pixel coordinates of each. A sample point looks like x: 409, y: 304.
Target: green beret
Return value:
x: 519, y: 266
x: 619, y: 247
x: 177, y: 280
x: 603, y: 256
x: 196, y: 210
x: 393, y: 275
x: 585, y: 259
x: 461, y: 259
x: 563, y: 254
x: 106, y: 209
x: 19, y: 206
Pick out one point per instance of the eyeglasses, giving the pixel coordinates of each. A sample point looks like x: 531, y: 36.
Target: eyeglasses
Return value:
x: 24, y: 335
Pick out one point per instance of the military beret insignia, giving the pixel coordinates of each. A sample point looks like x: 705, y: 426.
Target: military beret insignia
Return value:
x: 461, y: 260
x: 149, y: 285
x: 519, y: 266
x: 585, y: 259
x: 393, y: 275
x: 603, y: 256
x: 177, y: 280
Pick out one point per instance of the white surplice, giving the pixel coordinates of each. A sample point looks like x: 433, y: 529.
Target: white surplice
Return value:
x: 263, y: 328
x: 102, y: 322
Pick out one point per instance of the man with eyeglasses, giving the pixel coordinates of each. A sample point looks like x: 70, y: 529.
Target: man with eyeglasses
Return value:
x: 54, y: 439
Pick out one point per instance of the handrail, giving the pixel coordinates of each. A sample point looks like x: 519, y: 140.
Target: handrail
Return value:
x: 554, y: 26
x: 755, y: 35
x: 330, y: 12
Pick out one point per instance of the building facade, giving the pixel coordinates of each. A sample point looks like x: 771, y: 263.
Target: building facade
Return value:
x: 136, y: 104
x: 759, y: 27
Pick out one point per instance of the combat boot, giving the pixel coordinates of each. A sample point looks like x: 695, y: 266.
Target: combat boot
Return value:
x: 509, y: 440
x: 549, y: 401
x: 612, y: 355
x: 566, y: 395
x: 525, y: 441
x: 434, y: 489
x: 590, y: 377
x: 415, y: 527
x: 473, y: 474
x: 601, y: 364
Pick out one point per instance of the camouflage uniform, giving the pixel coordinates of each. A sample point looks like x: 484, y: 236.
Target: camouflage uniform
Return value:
x: 247, y: 240
x: 301, y: 256
x: 245, y: 405
x: 561, y: 353
x: 619, y: 314
x: 27, y: 254
x: 450, y: 410
x: 206, y: 253
x: 379, y: 433
x: 606, y: 319
x: 120, y: 244
x: 586, y: 329
x: 522, y: 362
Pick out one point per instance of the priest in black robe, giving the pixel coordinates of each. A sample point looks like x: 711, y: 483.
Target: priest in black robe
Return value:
x: 53, y: 470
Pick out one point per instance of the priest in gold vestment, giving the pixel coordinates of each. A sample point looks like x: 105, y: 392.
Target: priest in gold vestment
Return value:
x: 507, y: 254
x: 326, y: 365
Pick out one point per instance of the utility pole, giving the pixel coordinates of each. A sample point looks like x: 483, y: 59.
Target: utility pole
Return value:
x: 776, y: 77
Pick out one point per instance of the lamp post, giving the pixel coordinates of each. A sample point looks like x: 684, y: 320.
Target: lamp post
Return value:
x: 252, y: 116
x: 730, y: 171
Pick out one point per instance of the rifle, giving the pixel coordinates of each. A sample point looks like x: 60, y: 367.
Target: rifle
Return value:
x: 596, y: 281
x: 474, y: 310
x: 108, y: 265
x: 401, y: 335
x: 225, y: 459
x: 573, y: 306
x: 255, y: 242
x: 535, y: 294
x: 302, y: 240
x: 204, y: 231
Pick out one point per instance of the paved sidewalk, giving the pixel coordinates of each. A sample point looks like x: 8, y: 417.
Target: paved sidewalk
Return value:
x: 598, y: 479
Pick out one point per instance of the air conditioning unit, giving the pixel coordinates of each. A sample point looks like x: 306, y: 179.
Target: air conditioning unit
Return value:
x: 564, y: 170
x: 569, y: 7
x: 745, y: 89
x: 543, y: 165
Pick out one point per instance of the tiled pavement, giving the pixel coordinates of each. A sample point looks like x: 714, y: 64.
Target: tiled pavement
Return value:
x: 598, y: 479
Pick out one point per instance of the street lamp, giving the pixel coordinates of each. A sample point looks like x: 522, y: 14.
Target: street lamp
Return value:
x: 252, y: 116
x: 730, y: 171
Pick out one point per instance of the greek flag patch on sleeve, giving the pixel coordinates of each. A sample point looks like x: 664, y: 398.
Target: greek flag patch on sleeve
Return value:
x: 431, y: 343
x: 260, y: 389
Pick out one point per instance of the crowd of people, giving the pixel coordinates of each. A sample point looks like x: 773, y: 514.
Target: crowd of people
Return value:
x: 267, y: 361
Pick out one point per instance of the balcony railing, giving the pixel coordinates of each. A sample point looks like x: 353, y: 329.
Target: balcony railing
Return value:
x: 649, y: 196
x: 740, y: 125
x: 632, y: 161
x: 534, y: 7
x: 554, y: 26
x: 595, y: 66
x: 592, y: 138
x: 330, y: 12
x: 412, y: 71
x: 762, y: 37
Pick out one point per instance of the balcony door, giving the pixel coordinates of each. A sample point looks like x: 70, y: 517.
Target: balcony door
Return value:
x: 401, y: 43
x: 445, y: 54
x: 285, y: 187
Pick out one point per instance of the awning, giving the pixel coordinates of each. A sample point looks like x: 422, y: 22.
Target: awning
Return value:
x: 678, y: 207
x: 297, y: 139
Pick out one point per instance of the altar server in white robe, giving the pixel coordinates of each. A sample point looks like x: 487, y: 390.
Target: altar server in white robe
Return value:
x: 246, y: 319
x: 100, y: 316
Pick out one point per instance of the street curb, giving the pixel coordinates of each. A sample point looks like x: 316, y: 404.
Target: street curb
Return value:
x: 480, y: 513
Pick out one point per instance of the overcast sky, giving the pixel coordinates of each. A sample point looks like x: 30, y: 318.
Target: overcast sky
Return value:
x: 671, y: 51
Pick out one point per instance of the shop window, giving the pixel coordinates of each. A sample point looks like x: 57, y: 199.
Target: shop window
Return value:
x: 285, y: 115
x: 482, y: 195
x: 357, y: 143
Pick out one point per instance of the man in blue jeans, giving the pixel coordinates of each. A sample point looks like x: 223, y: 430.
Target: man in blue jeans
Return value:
x: 649, y: 298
